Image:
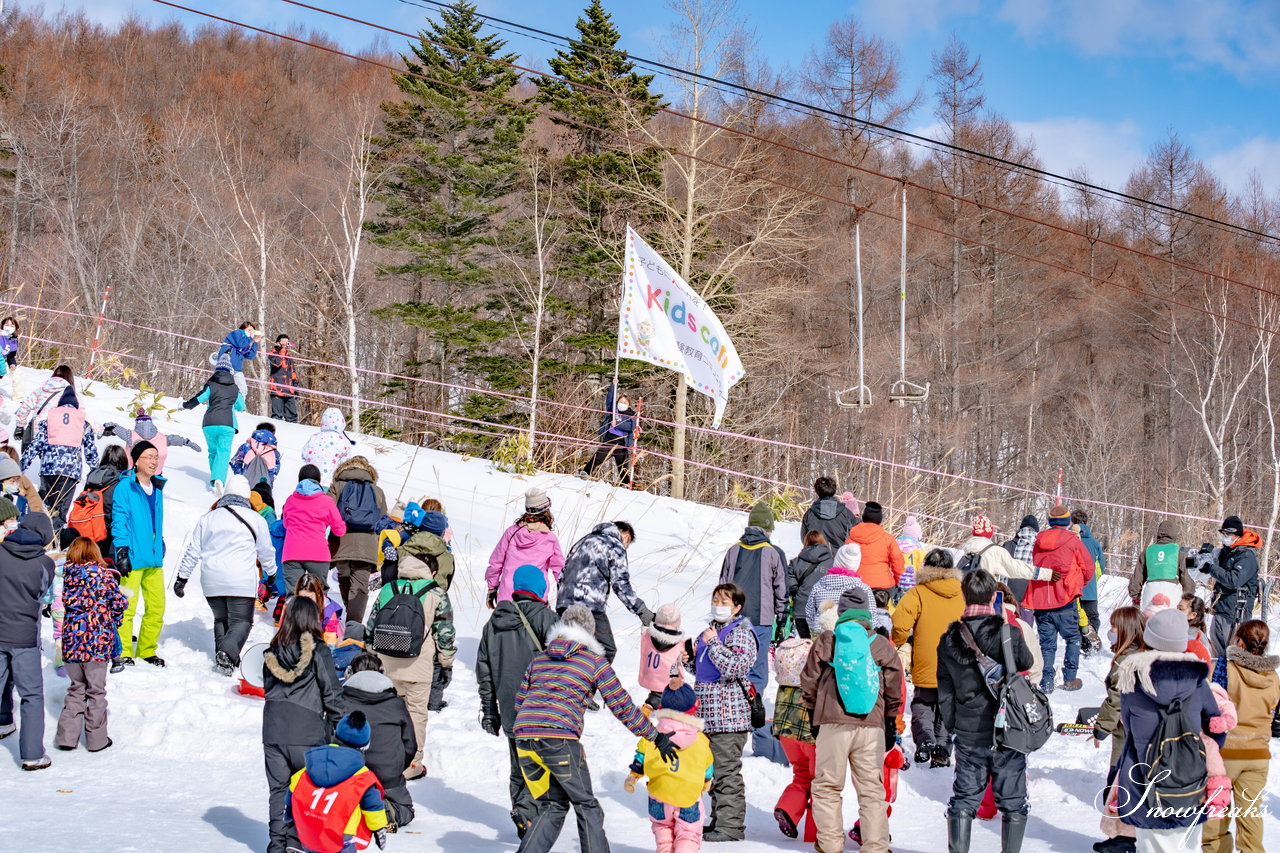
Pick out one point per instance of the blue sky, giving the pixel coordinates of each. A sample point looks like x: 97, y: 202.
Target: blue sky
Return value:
x: 1096, y: 82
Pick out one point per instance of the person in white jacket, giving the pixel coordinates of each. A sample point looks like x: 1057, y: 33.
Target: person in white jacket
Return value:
x: 229, y: 544
x: 983, y: 553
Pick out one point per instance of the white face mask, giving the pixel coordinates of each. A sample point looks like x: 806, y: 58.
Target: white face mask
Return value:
x: 9, y: 330
x: 1112, y: 638
x: 1228, y: 539
x: 11, y: 487
x: 721, y: 613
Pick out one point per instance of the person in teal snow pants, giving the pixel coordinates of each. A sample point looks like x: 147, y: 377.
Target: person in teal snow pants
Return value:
x: 222, y: 399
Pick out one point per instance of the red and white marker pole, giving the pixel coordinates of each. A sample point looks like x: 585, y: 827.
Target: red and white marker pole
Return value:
x: 97, y: 332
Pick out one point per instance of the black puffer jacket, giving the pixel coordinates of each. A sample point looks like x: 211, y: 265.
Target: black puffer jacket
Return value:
x: 304, y: 699
x: 505, y: 651
x: 393, y: 741
x: 968, y: 708
x: 221, y: 402
x: 1235, y: 576
x: 831, y: 518
x: 806, y: 569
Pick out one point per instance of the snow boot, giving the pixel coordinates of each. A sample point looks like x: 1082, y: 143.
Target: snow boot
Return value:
x: 959, y: 828
x: 786, y: 825
x: 223, y: 664
x: 1072, y: 685
x: 156, y: 661
x: 37, y: 763
x: 1118, y: 844
x: 123, y: 663
x: 941, y: 756
x: 715, y: 835
x: 1011, y: 833
x: 924, y: 751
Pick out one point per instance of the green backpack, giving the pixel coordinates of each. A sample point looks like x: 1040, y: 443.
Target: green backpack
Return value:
x: 857, y: 673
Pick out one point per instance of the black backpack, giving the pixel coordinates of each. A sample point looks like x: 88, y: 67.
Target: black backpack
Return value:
x: 973, y: 562
x: 1177, y: 774
x: 400, y: 625
x: 1024, y: 719
x: 358, y: 506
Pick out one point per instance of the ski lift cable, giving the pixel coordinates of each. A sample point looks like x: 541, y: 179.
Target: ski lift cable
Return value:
x: 1093, y: 239
x: 805, y: 108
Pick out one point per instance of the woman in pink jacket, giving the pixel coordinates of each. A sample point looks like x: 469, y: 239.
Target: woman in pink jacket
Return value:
x: 308, y: 516
x: 527, y: 542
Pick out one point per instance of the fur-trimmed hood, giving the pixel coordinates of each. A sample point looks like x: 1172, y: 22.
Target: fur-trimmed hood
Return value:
x: 929, y: 574
x: 307, y: 647
x: 662, y: 638
x: 683, y: 728
x: 1164, y: 676
x: 352, y: 469
x: 1257, y: 663
x: 565, y: 638
x: 828, y: 617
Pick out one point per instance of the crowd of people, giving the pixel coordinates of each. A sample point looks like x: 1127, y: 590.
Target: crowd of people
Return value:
x: 864, y: 634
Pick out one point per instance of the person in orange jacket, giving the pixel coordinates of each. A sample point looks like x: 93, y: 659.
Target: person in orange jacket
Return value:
x: 882, y: 560
x: 1054, y: 601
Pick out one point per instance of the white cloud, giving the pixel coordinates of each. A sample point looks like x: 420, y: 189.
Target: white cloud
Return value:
x: 1239, y: 36
x: 1107, y: 151
x: 901, y: 19
x: 1259, y: 155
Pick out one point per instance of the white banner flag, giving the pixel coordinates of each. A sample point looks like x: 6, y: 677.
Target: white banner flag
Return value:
x: 664, y: 322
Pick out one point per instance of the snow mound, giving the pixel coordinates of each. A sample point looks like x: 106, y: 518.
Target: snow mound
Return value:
x: 186, y: 769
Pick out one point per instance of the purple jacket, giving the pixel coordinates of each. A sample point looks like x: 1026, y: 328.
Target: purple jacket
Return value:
x: 520, y: 545
x: 307, y: 521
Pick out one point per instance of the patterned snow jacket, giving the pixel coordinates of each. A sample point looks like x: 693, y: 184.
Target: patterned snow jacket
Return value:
x: 93, y: 606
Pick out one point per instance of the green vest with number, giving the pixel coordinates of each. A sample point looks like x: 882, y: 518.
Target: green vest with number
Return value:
x: 1162, y: 562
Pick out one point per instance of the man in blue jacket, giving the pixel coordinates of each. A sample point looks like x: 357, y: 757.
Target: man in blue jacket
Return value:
x: 1089, y: 595
x: 240, y: 344
x: 137, y: 532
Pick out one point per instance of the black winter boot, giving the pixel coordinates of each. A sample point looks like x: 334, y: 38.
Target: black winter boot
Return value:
x: 1011, y: 833
x: 941, y: 756
x: 959, y: 828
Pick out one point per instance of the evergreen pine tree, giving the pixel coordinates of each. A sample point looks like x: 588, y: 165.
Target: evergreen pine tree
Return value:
x: 452, y: 147
x: 597, y: 170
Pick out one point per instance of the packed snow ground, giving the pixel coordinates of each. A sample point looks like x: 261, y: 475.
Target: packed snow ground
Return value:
x: 186, y: 769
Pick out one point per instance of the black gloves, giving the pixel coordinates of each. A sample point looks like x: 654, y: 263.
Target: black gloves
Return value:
x: 446, y: 676
x: 813, y: 730
x: 489, y: 724
x: 191, y: 404
x: 666, y: 747
x: 123, y: 566
x: 646, y: 616
x: 180, y: 587
x: 380, y: 838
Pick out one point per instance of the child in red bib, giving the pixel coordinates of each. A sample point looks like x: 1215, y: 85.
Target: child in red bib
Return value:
x: 335, y: 801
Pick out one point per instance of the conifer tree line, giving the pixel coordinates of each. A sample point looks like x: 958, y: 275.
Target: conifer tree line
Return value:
x: 461, y: 222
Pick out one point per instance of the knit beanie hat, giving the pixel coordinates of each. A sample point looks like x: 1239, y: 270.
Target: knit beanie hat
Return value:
x: 263, y: 490
x: 223, y: 363
x: 1030, y: 521
x: 911, y: 528
x: 849, y: 501
x: 1232, y: 524
x: 1153, y: 601
x: 668, y: 617
x: 1059, y: 516
x: 855, y: 599
x: 682, y: 700
x: 237, y: 485
x: 143, y: 425
x: 434, y: 522
x: 255, y: 501
x: 580, y: 617
x: 8, y: 468
x: 354, y: 730
x: 982, y: 527
x: 761, y: 516
x: 1166, y: 631
x: 7, y: 510
x: 848, y: 557
x: 873, y: 512
x: 536, y: 500
x: 414, y: 514
x: 138, y: 449
x: 532, y: 580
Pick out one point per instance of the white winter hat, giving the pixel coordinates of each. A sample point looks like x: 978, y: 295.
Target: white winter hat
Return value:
x: 848, y: 557
x: 237, y: 485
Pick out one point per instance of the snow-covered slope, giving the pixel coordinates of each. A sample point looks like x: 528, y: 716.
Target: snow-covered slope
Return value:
x: 186, y: 770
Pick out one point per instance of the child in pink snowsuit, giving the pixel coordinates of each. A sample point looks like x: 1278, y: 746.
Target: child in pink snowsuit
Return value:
x: 1218, y: 790
x: 675, y: 790
x: 660, y: 647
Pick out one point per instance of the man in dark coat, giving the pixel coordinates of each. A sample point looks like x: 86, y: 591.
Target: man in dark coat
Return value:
x: 507, y: 646
x: 1235, y: 581
x: 828, y: 515
x: 969, y: 711
x: 392, y: 742
x: 26, y: 573
x: 283, y: 384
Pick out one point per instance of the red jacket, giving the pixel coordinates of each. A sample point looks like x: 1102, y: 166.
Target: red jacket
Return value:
x: 1060, y: 549
x: 882, y: 562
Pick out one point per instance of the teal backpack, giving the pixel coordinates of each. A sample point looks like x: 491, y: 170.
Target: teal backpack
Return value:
x: 857, y: 673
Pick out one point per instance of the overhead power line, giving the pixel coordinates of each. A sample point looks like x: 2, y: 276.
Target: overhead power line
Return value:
x: 675, y: 151
x: 795, y: 105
